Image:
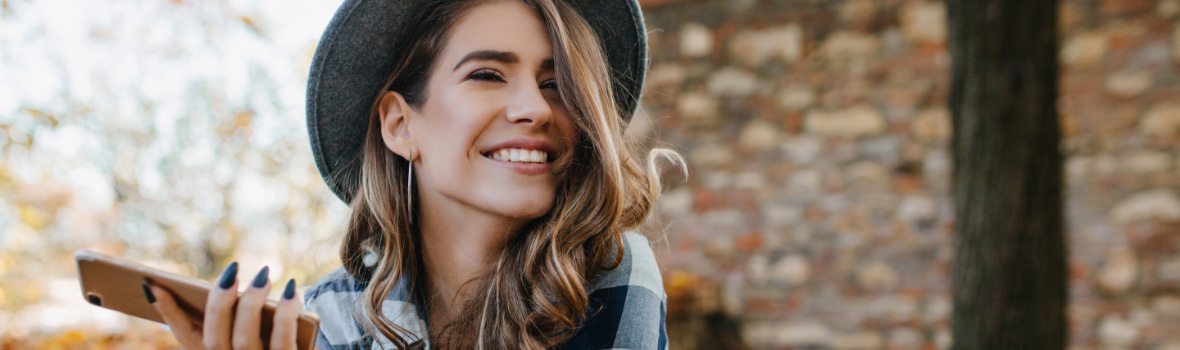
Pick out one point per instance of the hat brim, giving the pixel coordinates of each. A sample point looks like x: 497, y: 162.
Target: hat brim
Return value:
x: 355, y: 55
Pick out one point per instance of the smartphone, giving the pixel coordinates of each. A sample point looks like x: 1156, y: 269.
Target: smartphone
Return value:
x: 116, y: 284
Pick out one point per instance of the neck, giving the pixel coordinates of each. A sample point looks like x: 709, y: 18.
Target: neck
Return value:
x: 458, y: 245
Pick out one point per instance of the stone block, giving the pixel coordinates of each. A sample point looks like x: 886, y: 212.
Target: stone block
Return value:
x: 677, y: 202
x: 802, y: 150
x: 1146, y: 162
x: 1119, y: 272
x: 791, y: 270
x: 759, y: 136
x: 904, y: 338
x: 1159, y: 204
x: 796, y: 97
x: 885, y: 148
x: 853, y: 122
x: 696, y: 40
x: 868, y: 176
x: 750, y: 180
x: 1117, y: 332
x: 1128, y: 84
x: 937, y: 309
x: 857, y: 11
x: 857, y: 341
x: 1084, y: 49
x: 1167, y: 9
x: 917, y: 210
x: 733, y: 82
x: 932, y: 125
x: 697, y: 108
x: 666, y: 75
x: 710, y: 155
x: 778, y: 215
x: 1176, y: 43
x: 924, y: 21
x: 876, y: 276
x: 1166, y: 307
x: 786, y: 334
x: 1162, y: 120
x: 756, y: 47
x: 845, y: 46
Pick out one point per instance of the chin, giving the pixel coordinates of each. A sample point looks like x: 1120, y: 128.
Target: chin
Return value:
x: 526, y: 209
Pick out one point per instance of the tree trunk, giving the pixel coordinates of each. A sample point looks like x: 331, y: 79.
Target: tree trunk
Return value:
x: 1009, y: 272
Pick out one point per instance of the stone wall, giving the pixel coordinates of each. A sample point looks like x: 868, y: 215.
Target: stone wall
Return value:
x: 817, y: 211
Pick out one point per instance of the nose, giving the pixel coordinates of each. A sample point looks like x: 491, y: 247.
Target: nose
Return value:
x: 529, y: 106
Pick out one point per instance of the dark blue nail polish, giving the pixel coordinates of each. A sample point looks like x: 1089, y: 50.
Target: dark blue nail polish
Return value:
x: 289, y: 291
x: 261, y: 279
x: 229, y: 276
x: 147, y: 292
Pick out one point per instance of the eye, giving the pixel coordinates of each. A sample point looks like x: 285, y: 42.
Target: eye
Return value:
x: 486, y: 75
x: 549, y: 84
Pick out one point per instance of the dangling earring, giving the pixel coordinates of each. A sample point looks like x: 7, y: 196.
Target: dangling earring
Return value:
x: 410, y: 190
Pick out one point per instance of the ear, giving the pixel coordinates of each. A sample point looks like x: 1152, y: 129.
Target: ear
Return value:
x: 395, y: 125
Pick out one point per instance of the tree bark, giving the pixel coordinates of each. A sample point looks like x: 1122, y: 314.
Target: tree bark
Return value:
x: 1009, y: 270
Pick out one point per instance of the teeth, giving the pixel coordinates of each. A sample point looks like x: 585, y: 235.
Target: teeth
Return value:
x: 520, y: 155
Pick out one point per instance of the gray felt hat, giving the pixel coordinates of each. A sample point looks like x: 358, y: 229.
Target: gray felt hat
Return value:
x: 355, y: 54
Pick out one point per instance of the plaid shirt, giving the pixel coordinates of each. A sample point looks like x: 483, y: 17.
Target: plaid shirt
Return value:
x: 627, y: 307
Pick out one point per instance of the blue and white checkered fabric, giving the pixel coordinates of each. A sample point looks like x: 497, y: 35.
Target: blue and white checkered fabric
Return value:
x: 627, y: 308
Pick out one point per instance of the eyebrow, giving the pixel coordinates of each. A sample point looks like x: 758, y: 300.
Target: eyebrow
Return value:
x: 498, y: 56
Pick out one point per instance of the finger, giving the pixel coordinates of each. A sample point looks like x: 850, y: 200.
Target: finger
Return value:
x: 177, y: 320
x: 285, y: 322
x: 219, y: 309
x: 247, y: 331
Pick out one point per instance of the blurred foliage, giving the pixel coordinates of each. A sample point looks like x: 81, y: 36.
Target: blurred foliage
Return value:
x: 169, y: 133
x: 138, y: 338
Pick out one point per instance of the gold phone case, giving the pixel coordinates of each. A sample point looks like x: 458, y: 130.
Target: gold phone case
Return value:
x: 116, y: 284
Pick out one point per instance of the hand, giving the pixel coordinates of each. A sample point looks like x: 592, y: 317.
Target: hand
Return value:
x: 231, y: 321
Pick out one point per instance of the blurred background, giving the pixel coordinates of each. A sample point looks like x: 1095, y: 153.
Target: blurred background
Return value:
x: 816, y: 214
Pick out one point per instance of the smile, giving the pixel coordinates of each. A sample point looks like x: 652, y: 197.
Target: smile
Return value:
x: 520, y: 155
x: 525, y: 156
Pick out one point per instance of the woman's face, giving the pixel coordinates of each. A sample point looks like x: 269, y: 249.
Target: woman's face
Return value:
x: 493, y: 131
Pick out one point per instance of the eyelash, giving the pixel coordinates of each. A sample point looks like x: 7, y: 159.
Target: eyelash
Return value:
x: 494, y: 76
x: 487, y: 75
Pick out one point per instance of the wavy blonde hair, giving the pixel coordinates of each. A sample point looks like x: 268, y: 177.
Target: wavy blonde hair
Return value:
x: 536, y: 294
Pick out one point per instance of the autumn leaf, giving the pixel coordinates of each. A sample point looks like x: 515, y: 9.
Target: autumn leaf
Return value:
x: 39, y: 114
x: 33, y: 217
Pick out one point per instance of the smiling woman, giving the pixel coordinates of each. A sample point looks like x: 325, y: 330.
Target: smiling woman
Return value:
x: 480, y: 147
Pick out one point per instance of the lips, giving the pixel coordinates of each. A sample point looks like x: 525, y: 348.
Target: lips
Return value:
x: 523, y: 156
x: 520, y: 155
x: 522, y: 150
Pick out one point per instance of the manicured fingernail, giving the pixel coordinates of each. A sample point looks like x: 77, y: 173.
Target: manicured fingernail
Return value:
x: 229, y: 276
x: 261, y: 278
x: 289, y: 291
x: 147, y: 292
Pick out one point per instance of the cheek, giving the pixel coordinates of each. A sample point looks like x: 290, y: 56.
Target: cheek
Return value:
x: 452, y: 128
x: 445, y: 139
x: 565, y: 125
